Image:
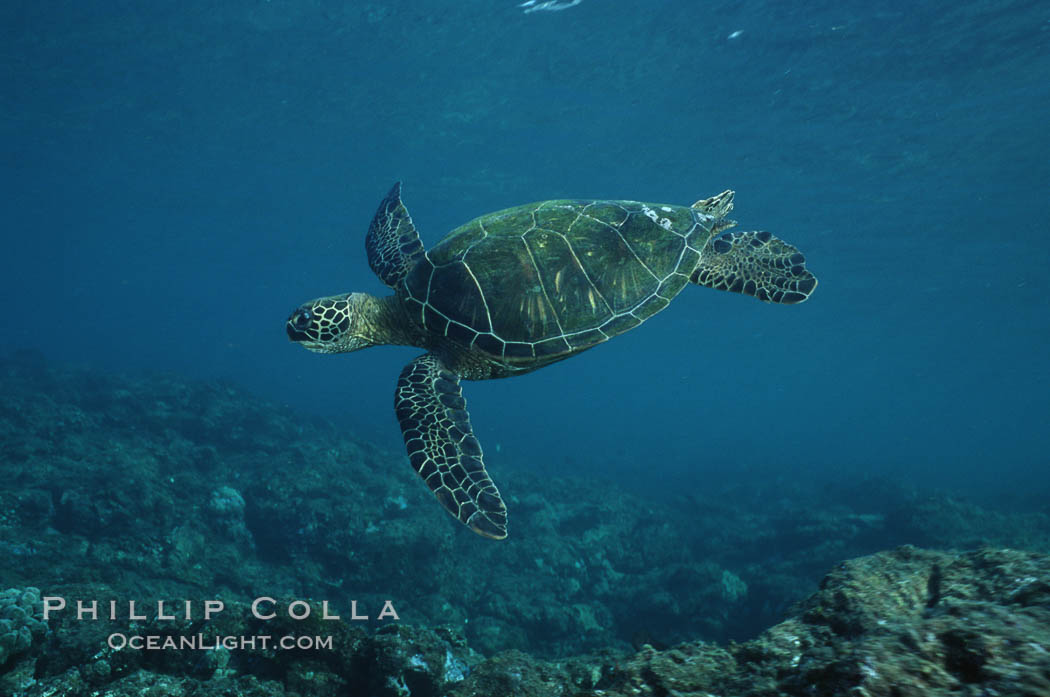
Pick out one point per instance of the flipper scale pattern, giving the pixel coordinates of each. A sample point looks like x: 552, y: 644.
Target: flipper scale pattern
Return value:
x: 392, y: 243
x: 442, y: 447
x: 756, y: 264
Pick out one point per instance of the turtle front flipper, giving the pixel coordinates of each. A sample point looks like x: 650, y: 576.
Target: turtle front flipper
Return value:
x: 756, y: 264
x: 442, y: 447
x: 392, y: 242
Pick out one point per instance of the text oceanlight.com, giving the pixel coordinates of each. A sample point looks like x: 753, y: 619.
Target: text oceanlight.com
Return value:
x: 199, y: 642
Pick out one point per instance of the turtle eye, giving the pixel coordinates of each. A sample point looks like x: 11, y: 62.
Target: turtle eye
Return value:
x: 302, y: 320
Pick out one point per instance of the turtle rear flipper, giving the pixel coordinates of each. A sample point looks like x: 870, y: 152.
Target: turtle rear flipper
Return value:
x: 442, y: 447
x: 392, y: 242
x: 756, y: 264
x: 717, y: 206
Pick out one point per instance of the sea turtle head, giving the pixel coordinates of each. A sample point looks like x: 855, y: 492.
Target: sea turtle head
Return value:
x: 328, y: 325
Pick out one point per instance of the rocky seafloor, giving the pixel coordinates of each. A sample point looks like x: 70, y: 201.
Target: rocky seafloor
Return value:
x: 155, y: 488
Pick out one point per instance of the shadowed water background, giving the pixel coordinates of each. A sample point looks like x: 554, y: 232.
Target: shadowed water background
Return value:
x: 178, y: 176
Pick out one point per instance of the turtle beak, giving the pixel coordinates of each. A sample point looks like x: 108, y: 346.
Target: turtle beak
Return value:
x: 296, y: 326
x: 293, y: 333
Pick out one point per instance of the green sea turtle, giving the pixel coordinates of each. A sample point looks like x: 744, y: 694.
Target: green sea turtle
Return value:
x: 519, y: 289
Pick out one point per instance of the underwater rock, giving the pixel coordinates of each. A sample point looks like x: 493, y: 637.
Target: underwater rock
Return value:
x: 903, y: 622
x: 398, y: 661
x: 22, y: 633
x: 35, y: 507
x: 226, y: 513
x: 155, y: 488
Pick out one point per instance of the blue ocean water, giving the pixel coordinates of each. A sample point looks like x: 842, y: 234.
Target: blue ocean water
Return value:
x: 178, y: 176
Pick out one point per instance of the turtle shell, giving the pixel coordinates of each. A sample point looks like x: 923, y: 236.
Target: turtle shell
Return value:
x: 547, y: 279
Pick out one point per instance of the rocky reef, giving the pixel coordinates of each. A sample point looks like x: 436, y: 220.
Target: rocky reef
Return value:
x: 154, y: 488
x: 21, y: 622
x: 904, y: 622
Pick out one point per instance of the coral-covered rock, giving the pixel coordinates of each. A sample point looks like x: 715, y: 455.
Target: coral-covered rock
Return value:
x: 155, y: 488
x: 23, y: 631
